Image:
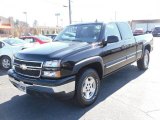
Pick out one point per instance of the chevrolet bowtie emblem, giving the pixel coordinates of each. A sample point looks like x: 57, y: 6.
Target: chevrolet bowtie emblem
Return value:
x: 23, y: 67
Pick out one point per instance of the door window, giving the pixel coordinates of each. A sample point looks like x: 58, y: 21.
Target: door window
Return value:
x: 29, y: 40
x: 112, y: 30
x: 125, y: 29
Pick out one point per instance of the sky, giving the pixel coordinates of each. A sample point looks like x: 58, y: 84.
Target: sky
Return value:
x: 82, y: 10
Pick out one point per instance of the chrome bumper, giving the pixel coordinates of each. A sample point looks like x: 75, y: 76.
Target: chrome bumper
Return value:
x: 65, y: 88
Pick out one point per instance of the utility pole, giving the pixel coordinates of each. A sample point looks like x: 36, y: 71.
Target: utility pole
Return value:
x: 70, y: 18
x: 69, y: 11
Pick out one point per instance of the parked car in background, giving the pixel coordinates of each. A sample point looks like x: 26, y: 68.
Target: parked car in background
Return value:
x: 36, y: 39
x: 138, y: 31
x: 148, y: 31
x: 8, y: 47
x: 156, y: 32
x: 51, y: 36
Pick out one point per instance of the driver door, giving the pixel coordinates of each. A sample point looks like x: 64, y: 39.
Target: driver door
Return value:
x: 114, y: 54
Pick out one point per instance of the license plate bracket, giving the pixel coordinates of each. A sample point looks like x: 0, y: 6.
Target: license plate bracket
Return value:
x: 21, y: 87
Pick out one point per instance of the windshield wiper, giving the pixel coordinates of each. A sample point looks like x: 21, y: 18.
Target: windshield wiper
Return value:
x: 63, y: 40
x: 77, y: 40
x: 71, y: 40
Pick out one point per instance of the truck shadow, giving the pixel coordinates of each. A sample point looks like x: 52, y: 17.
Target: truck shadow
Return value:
x: 3, y: 72
x: 34, y: 108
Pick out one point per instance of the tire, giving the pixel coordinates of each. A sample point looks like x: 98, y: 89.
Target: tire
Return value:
x: 5, y: 63
x: 87, y: 87
x: 143, y: 63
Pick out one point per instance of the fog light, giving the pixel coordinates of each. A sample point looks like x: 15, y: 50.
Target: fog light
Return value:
x: 55, y: 74
x: 13, y: 67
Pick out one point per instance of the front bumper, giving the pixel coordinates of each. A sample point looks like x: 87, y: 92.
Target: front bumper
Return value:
x: 62, y: 87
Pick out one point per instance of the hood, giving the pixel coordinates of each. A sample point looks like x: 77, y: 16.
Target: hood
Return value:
x: 30, y: 45
x: 15, y: 46
x: 54, y: 50
x: 23, y: 46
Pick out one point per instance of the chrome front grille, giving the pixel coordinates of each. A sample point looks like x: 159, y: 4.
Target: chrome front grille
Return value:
x: 28, y: 68
x: 28, y: 63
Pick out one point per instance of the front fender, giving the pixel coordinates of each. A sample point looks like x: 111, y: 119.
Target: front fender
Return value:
x: 87, y: 61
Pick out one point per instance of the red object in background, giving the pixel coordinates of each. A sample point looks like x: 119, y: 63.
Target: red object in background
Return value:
x: 36, y: 39
x: 138, y: 31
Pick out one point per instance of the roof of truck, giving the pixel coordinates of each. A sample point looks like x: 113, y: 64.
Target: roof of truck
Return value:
x: 88, y: 23
x: 100, y: 22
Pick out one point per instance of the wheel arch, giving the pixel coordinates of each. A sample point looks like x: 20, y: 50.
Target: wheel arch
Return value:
x: 95, y: 63
x: 148, y: 47
x: 5, y: 56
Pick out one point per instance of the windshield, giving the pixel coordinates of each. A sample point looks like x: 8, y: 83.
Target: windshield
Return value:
x: 157, y: 29
x: 14, y: 41
x: 83, y: 33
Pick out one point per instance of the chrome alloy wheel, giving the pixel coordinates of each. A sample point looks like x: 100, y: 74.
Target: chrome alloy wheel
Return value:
x: 146, y: 60
x: 6, y: 63
x: 89, y: 88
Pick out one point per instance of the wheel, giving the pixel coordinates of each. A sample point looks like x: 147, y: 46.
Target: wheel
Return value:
x: 5, y: 63
x: 143, y: 63
x: 87, y: 87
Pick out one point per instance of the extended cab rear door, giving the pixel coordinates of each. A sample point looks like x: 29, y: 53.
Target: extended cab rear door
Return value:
x: 114, y: 54
x: 130, y: 42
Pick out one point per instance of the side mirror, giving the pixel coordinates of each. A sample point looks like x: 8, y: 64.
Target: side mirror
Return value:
x: 112, y: 39
x: 1, y: 45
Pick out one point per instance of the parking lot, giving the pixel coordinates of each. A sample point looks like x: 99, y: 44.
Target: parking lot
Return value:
x: 128, y: 94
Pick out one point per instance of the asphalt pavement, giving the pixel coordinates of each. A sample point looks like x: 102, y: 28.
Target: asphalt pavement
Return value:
x: 128, y: 94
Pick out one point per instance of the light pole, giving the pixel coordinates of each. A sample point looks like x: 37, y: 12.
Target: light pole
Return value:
x: 26, y: 16
x: 26, y: 29
x: 115, y: 15
x: 57, y: 15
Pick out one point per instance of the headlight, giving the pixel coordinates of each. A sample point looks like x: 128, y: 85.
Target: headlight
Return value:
x: 53, y: 74
x: 52, y: 64
x: 51, y: 69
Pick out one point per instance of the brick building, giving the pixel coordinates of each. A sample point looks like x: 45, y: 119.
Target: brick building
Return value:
x: 6, y: 26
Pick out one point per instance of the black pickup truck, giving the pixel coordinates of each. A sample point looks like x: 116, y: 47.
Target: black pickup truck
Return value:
x: 79, y: 58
